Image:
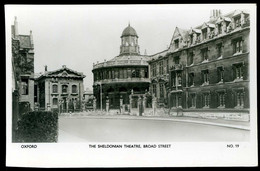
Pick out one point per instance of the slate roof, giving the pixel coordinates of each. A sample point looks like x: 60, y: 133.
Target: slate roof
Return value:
x: 130, y: 57
x: 184, y: 33
x: 160, y: 54
x: 211, y: 23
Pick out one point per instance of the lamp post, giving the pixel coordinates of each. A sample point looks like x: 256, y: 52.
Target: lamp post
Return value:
x: 100, y: 96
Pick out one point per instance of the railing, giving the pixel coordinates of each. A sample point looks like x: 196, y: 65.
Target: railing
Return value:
x: 119, y: 63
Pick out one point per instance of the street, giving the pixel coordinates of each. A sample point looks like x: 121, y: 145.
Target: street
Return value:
x: 93, y: 129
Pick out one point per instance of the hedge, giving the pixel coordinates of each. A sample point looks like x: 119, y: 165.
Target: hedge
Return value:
x: 38, y: 126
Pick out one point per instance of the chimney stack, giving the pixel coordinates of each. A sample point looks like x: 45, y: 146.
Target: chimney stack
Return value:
x: 31, y: 38
x: 45, y: 68
x: 214, y: 14
x: 15, y: 27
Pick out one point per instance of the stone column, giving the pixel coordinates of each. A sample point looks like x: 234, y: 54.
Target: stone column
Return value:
x: 74, y: 105
x: 154, y: 104
x: 130, y: 104
x: 139, y: 105
x: 107, y: 105
x: 144, y: 101
x: 94, y: 104
x: 121, y: 105
x: 67, y: 105
x: 83, y: 105
x: 60, y: 104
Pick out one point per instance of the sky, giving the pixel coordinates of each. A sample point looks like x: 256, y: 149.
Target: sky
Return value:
x: 78, y: 36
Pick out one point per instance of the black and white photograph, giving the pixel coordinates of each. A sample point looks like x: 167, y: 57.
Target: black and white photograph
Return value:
x: 165, y: 85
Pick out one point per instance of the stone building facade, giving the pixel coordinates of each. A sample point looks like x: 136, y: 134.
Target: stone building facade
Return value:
x: 126, y: 73
x: 23, y: 65
x: 206, y: 68
x: 60, y: 90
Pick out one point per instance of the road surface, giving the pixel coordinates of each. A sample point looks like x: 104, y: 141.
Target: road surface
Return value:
x: 132, y: 130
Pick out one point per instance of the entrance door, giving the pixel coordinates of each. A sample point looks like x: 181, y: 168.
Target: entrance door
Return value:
x: 64, y: 104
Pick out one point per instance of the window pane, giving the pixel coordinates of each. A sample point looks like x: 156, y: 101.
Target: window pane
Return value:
x: 74, y: 89
x: 55, y: 101
x: 55, y: 89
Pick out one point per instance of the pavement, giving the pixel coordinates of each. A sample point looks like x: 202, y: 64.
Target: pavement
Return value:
x: 216, y: 122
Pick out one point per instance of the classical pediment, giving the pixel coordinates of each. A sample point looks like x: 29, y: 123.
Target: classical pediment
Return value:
x: 64, y: 72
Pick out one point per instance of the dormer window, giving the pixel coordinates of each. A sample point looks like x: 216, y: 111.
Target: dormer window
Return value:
x: 219, y: 28
x: 237, y: 21
x: 191, y: 39
x: 204, y: 33
x: 176, y: 42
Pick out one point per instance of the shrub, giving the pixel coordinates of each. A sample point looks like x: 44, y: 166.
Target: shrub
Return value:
x: 55, y: 110
x: 38, y: 126
x: 24, y: 107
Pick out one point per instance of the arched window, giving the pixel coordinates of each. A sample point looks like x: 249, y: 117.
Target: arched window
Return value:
x: 54, y: 88
x: 74, y: 89
x: 54, y: 101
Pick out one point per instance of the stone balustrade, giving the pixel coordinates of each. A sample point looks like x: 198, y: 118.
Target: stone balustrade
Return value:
x: 120, y: 63
x: 122, y: 80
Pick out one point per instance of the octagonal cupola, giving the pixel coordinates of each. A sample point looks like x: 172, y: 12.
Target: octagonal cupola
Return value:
x: 129, y: 42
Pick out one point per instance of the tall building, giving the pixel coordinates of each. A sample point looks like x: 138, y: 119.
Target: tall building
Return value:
x: 23, y: 65
x: 206, y: 68
x: 122, y: 75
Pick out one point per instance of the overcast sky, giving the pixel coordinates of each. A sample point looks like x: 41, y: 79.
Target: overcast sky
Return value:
x: 78, y: 36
